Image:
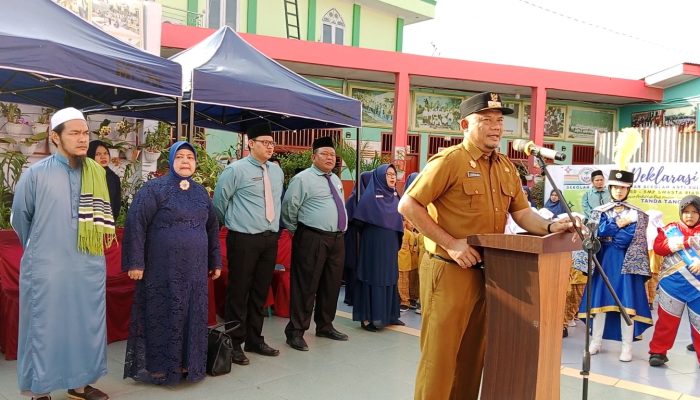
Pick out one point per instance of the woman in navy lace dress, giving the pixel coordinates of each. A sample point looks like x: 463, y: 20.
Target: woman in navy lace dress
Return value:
x: 376, y: 295
x: 171, y: 245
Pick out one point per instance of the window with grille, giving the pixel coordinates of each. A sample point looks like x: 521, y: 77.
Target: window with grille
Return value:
x: 333, y: 27
x: 414, y: 144
x: 582, y: 154
x: 437, y: 143
x: 303, y: 138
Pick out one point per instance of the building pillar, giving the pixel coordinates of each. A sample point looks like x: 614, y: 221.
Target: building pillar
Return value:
x: 537, y: 109
x: 402, y: 95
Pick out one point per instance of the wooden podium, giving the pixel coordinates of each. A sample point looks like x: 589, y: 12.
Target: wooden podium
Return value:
x: 526, y: 282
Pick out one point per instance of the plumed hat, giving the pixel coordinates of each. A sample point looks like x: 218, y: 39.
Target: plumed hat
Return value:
x: 627, y: 143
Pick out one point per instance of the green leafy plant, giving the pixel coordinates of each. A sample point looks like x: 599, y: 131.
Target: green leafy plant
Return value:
x: 131, y: 182
x: 290, y: 162
x: 35, y: 138
x: 158, y: 139
x: 104, y: 130
x: 11, y: 112
x: 348, y: 154
x: 11, y: 165
x: 124, y: 127
x: 45, y: 115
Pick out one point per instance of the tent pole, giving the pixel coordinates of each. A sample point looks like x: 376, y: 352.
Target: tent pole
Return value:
x: 178, y: 102
x: 358, y: 165
x: 190, y: 130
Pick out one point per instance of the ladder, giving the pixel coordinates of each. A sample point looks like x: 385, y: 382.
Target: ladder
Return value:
x: 291, y: 15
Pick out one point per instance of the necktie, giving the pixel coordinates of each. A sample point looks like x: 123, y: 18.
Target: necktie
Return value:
x: 340, y: 207
x: 600, y: 197
x: 269, y: 203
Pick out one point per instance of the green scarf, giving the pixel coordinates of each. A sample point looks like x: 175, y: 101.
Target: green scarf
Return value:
x: 95, y: 220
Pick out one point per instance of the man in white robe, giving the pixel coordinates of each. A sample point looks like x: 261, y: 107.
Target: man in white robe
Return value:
x: 62, y: 327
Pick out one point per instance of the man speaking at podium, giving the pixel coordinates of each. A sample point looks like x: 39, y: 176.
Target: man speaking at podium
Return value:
x: 465, y: 189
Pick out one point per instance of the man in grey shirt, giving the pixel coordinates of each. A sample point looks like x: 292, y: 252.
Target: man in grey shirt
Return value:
x: 597, y: 195
x: 314, y: 211
x: 247, y: 200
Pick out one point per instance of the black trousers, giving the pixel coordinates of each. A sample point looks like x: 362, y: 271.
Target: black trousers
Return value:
x: 317, y: 270
x: 251, y: 260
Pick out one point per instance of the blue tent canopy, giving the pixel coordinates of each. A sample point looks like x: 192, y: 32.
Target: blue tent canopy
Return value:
x: 232, y: 85
x: 51, y: 57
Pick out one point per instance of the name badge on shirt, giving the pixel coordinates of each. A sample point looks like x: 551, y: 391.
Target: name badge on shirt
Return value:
x: 473, y: 174
x: 379, y: 196
x: 259, y: 178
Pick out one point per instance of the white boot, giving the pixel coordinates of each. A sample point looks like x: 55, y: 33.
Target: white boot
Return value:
x: 597, y: 334
x: 627, y: 338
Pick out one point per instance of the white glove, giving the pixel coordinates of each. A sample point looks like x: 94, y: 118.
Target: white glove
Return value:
x: 675, y: 244
x: 632, y: 216
x: 695, y: 266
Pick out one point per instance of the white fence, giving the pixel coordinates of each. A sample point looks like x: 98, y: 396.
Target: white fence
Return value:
x: 659, y: 144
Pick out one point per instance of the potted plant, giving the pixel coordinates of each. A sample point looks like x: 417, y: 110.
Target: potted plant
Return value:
x: 102, y: 131
x: 12, y: 114
x: 28, y: 144
x: 11, y: 166
x: 156, y: 141
x: 42, y: 120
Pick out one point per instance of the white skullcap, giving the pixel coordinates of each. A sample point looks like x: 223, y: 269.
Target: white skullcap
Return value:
x: 65, y: 114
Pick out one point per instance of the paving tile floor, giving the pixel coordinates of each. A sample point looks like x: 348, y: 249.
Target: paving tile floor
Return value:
x: 382, y: 366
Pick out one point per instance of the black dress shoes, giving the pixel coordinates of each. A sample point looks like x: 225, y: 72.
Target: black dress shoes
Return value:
x: 690, y: 347
x: 332, y: 334
x: 263, y: 349
x: 238, y: 356
x: 297, y: 343
x: 369, y: 327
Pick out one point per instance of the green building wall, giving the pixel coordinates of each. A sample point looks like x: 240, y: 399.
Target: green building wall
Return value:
x: 683, y: 95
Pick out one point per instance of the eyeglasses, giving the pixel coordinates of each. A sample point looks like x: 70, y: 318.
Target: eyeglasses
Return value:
x: 390, y: 174
x: 266, y: 143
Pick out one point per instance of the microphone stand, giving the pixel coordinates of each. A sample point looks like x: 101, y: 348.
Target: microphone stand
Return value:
x: 591, y: 244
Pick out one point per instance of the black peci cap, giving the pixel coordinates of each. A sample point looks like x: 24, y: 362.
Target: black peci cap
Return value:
x: 482, y: 102
x: 261, y: 129
x: 325, y: 141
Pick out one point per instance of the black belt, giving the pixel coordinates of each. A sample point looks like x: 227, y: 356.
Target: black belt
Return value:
x: 266, y: 233
x: 479, y: 265
x: 447, y: 260
x: 321, y: 232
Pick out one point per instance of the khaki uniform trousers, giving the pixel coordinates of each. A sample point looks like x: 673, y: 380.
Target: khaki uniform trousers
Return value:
x: 453, y: 331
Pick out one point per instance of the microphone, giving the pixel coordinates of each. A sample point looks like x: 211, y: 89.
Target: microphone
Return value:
x: 529, y: 148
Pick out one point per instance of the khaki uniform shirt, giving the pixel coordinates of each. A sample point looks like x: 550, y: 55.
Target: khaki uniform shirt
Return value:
x: 468, y: 192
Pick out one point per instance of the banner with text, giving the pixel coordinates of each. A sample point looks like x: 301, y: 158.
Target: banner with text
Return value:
x: 657, y: 186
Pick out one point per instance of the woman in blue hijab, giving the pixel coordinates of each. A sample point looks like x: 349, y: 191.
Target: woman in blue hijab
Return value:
x: 376, y: 296
x: 351, y: 239
x: 170, y: 246
x: 554, y: 204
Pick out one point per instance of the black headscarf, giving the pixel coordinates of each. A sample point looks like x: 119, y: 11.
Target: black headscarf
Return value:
x: 114, y: 185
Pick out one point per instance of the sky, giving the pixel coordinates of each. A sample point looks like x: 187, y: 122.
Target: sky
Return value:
x: 615, y: 38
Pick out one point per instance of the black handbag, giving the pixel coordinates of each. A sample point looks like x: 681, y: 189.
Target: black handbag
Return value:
x: 219, y: 349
